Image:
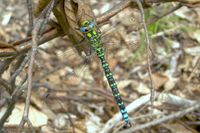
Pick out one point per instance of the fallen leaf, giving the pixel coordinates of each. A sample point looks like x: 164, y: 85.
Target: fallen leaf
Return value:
x: 36, y: 117
x: 159, y: 79
x: 142, y: 89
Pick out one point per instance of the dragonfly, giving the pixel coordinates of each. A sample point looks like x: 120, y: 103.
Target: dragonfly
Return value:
x: 99, y: 44
x: 93, y: 38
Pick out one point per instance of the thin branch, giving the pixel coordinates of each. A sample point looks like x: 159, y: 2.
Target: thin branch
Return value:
x: 130, y: 108
x: 156, y: 18
x: 194, y: 69
x: 18, y: 90
x: 5, y: 116
x: 147, y: 48
x: 11, y: 104
x: 5, y: 84
x: 37, y: 31
x: 24, y: 47
x: 72, y: 124
x: 20, y: 68
x: 29, y: 38
x: 113, y: 11
x: 164, y: 119
x: 30, y: 16
x: 103, y: 18
x: 163, y: 98
x: 5, y: 64
x: 6, y: 45
x: 100, y: 20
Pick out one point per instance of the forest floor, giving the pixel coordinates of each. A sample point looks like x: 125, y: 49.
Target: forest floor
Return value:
x: 71, y: 93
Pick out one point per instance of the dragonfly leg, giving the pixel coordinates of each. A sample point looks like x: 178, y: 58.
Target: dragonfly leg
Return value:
x: 127, y: 125
x: 81, y: 41
x: 99, y: 31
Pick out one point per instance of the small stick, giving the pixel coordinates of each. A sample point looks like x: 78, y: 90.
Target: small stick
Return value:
x: 5, y: 64
x: 37, y: 31
x: 130, y: 108
x: 156, y: 18
x: 164, y: 98
x: 194, y: 69
x: 5, y: 84
x: 11, y: 103
x: 164, y: 119
x: 18, y: 71
x: 147, y: 48
x: 30, y: 16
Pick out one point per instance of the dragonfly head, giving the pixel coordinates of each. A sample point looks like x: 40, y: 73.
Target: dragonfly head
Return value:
x: 87, y: 26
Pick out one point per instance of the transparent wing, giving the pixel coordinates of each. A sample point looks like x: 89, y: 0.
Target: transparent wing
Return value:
x: 79, y: 64
x: 119, y: 48
x: 120, y: 44
x: 84, y: 73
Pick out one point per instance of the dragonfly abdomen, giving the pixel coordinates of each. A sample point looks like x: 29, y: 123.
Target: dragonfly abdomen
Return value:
x: 113, y: 86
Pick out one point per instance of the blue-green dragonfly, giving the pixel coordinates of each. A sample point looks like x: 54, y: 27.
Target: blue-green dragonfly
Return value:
x: 93, y: 38
x: 89, y: 29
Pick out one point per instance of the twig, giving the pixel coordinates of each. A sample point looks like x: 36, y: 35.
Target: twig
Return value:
x: 130, y: 108
x: 5, y: 64
x: 37, y: 31
x: 15, y: 67
x: 166, y: 32
x: 5, y: 84
x: 11, y: 103
x: 19, y: 88
x: 5, y: 116
x: 100, y: 19
x: 113, y: 11
x: 25, y: 47
x: 194, y: 69
x: 30, y: 16
x: 18, y: 71
x: 72, y: 124
x: 3, y: 101
x: 15, y: 43
x: 116, y: 9
x: 147, y: 49
x: 6, y: 45
x: 156, y: 18
x: 164, y: 119
x: 137, y: 104
x: 103, y: 18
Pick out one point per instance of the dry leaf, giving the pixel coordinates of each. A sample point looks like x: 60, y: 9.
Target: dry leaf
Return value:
x: 142, y: 89
x: 177, y: 128
x: 36, y: 117
x: 159, y: 79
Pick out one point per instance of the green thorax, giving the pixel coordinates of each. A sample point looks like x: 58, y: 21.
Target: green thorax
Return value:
x: 91, y: 34
x: 94, y: 38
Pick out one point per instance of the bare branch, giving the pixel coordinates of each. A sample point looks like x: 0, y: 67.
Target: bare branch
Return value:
x: 164, y: 119
x: 164, y: 98
x: 30, y: 16
x: 20, y: 68
x: 37, y: 31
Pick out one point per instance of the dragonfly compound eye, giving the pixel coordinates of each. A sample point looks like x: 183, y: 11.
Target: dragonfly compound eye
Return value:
x: 84, y: 29
x: 92, y: 24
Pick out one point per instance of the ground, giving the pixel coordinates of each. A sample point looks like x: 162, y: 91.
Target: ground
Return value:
x: 71, y: 92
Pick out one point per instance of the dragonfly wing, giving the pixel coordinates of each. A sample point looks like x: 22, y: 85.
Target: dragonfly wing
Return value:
x: 79, y: 64
x: 117, y: 45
